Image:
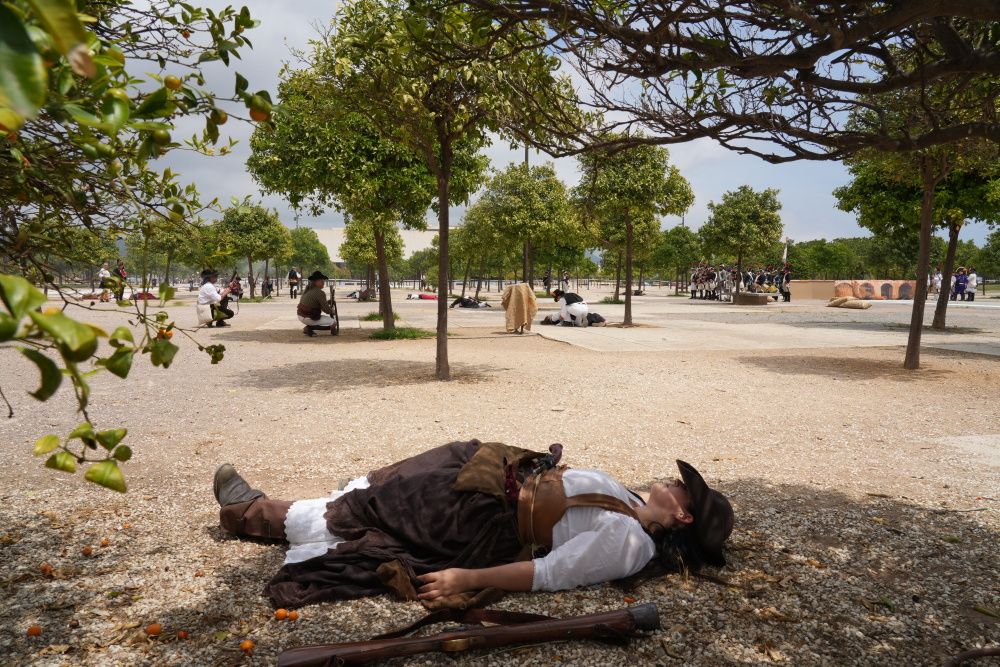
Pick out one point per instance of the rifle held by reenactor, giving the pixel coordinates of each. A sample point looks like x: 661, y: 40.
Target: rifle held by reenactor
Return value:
x: 616, y: 625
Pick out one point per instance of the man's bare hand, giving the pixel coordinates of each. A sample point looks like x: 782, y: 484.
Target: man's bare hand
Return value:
x: 444, y: 583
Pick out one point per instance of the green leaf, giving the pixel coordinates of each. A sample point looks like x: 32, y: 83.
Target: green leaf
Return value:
x: 51, y: 375
x: 123, y: 453
x: 119, y: 363
x: 77, y: 341
x: 107, y: 474
x: 84, y: 431
x: 121, y: 334
x: 149, y: 125
x: 115, y: 113
x: 8, y: 327
x: 23, y: 77
x: 46, y: 444
x: 109, y: 439
x: 166, y: 292
x: 241, y: 84
x: 62, y: 461
x: 19, y: 296
x: 82, y: 116
x: 154, y: 105
x: 60, y: 20
x: 162, y: 352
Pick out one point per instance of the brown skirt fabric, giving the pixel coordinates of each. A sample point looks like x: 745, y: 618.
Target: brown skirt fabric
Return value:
x: 410, y: 513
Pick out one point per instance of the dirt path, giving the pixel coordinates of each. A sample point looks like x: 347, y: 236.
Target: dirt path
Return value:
x: 867, y: 505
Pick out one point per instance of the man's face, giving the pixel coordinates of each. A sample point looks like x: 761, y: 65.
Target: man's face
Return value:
x: 319, y: 282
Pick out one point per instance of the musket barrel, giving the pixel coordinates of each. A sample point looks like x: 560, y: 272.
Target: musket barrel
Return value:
x: 615, y: 625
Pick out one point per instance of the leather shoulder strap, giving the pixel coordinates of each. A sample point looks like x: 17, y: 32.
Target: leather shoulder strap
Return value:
x: 603, y: 501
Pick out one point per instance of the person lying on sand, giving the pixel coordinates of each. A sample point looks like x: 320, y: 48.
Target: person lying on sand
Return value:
x: 468, y: 516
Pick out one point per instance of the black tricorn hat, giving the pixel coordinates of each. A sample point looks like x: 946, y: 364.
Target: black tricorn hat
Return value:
x: 713, y: 515
x: 316, y: 275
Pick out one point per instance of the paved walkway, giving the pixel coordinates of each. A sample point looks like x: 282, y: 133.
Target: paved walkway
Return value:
x: 678, y: 324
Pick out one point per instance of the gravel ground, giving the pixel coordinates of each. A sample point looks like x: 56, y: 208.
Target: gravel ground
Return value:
x: 862, y: 536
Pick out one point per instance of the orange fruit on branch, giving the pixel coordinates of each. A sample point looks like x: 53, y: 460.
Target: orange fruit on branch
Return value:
x: 172, y: 82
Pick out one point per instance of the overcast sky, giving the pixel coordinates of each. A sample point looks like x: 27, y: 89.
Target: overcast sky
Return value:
x: 808, y: 212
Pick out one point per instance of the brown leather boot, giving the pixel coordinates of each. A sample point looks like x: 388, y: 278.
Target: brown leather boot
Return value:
x: 248, y: 512
x: 260, y: 518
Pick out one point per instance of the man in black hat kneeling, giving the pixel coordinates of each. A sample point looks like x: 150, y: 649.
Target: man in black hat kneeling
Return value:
x: 314, y: 309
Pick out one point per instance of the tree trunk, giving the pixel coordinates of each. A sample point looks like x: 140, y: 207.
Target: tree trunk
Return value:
x: 250, y: 275
x: 618, y: 277
x: 912, y: 359
x: 628, y: 275
x: 524, y: 262
x: 442, y: 368
x: 465, y: 280
x: 677, y: 284
x: 941, y: 311
x: 267, y: 267
x: 170, y: 259
x: 384, y: 296
x: 479, y: 278
x: 739, y: 272
x: 531, y: 267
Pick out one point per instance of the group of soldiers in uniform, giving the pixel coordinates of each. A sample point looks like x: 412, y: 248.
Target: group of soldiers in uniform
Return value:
x: 719, y: 283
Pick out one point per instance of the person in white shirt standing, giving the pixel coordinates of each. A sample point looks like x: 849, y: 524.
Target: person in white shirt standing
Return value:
x: 210, y: 306
x: 103, y: 280
x: 970, y: 287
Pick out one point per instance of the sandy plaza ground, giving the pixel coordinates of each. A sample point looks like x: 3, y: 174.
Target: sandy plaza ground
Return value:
x: 867, y: 497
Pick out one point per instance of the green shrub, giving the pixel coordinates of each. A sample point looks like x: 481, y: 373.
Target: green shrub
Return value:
x: 401, y: 333
x: 612, y: 300
x: 376, y: 316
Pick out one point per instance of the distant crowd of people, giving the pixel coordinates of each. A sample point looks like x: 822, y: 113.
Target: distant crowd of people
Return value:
x: 964, y: 283
x: 720, y: 283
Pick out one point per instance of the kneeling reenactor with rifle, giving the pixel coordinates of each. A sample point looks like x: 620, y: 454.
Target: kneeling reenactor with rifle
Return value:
x: 314, y: 309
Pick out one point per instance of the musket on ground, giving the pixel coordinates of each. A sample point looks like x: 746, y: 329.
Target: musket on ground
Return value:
x: 616, y: 626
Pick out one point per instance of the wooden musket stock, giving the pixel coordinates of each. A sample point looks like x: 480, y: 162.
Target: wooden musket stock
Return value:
x: 614, y: 625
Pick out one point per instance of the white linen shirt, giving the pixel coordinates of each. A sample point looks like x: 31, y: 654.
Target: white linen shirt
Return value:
x: 208, y: 294
x: 589, y: 544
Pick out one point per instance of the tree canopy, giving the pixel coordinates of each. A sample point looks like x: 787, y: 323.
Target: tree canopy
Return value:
x: 253, y: 232
x: 623, y: 194
x: 746, y: 222
x: 429, y: 75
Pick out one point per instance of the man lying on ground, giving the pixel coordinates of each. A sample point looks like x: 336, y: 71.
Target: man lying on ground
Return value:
x: 468, y: 516
x: 469, y: 302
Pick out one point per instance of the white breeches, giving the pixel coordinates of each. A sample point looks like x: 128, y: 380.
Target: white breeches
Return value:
x: 323, y: 321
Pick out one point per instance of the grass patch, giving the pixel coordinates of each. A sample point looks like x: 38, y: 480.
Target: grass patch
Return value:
x: 542, y: 295
x: 401, y: 333
x: 376, y: 316
x: 610, y: 300
x: 255, y: 299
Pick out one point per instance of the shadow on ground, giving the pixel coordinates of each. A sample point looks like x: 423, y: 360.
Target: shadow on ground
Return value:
x: 341, y: 373
x: 844, y: 367
x: 294, y: 336
x: 815, y: 577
